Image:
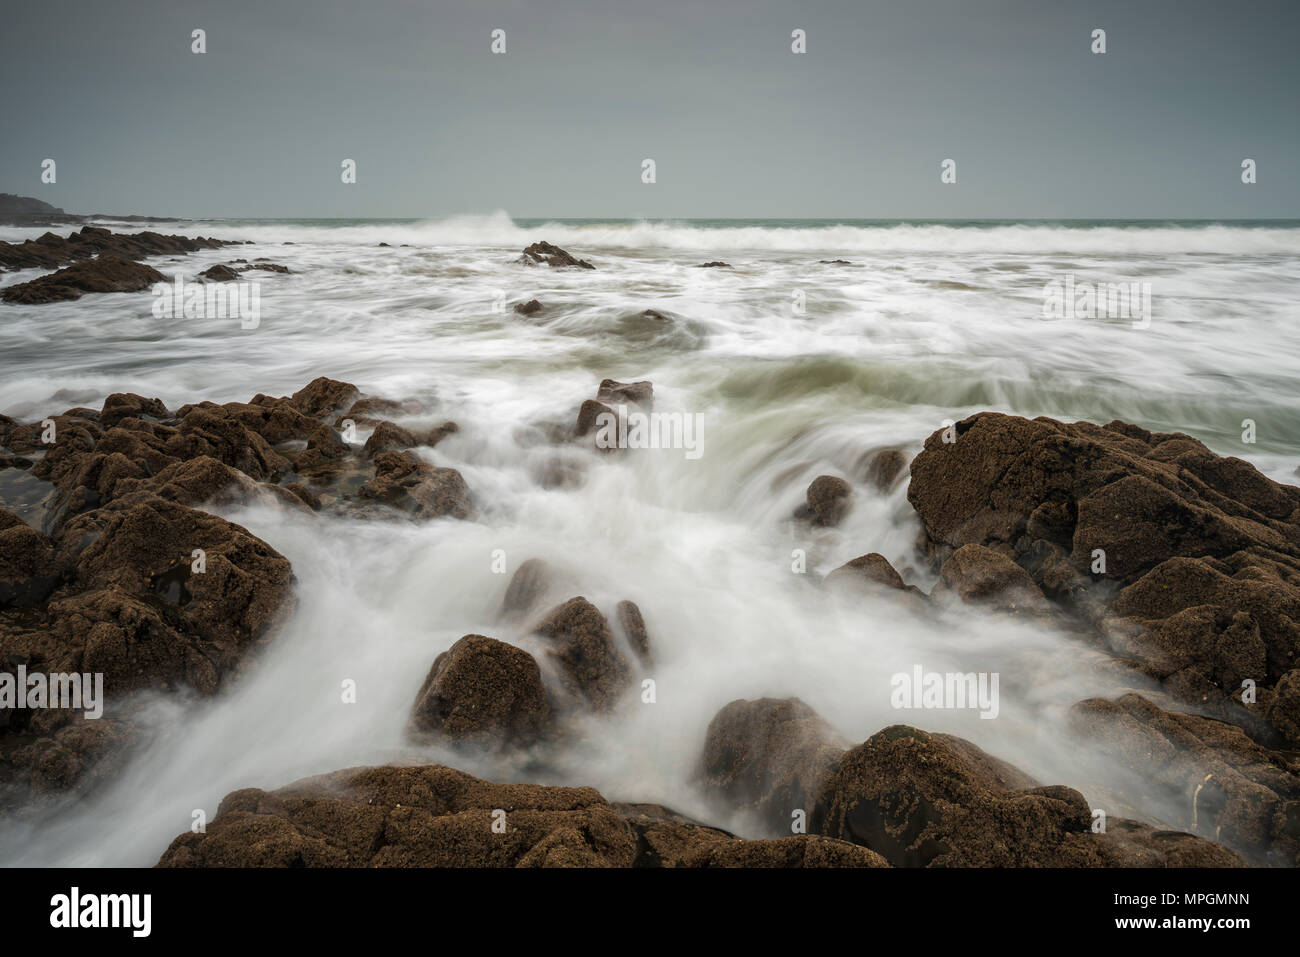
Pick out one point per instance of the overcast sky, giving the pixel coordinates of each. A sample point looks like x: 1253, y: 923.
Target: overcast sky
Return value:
x: 738, y: 125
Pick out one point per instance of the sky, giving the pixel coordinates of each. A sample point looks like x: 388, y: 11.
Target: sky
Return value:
x: 738, y: 125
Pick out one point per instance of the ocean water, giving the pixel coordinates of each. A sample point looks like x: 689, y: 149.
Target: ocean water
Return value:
x: 926, y: 322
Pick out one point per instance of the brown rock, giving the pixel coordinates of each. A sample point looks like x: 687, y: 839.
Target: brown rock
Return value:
x: 772, y: 756
x: 583, y: 647
x: 412, y: 485
x: 629, y: 619
x: 105, y: 274
x: 544, y: 254
x: 979, y: 575
x: 483, y: 691
x: 829, y: 498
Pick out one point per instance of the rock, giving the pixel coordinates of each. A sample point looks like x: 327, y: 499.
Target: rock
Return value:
x: 483, y: 691
x: 1284, y: 711
x: 629, y: 619
x: 582, y: 646
x: 716, y: 264
x: 412, y: 485
x: 269, y: 267
x: 883, y: 468
x: 434, y: 816
x: 1142, y: 497
x: 1225, y: 785
x: 771, y: 756
x: 407, y: 817
x: 828, y: 501
x: 544, y: 254
x: 529, y: 308
x: 105, y: 274
x: 587, y: 417
x: 388, y: 436
x: 126, y: 405
x: 633, y: 393
x: 981, y: 576
x: 933, y: 800
x: 372, y: 407
x: 219, y: 273
x: 870, y: 570
x: 1150, y: 536
x: 323, y: 396
x: 148, y: 551
x: 671, y: 841
x: 529, y: 585
x: 216, y: 433
x: 28, y: 570
x: 50, y: 251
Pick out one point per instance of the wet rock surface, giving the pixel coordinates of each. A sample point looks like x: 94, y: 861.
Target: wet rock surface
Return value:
x: 483, y: 691
x: 104, y: 274
x: 119, y: 571
x: 545, y: 254
x: 51, y: 251
x: 437, y: 817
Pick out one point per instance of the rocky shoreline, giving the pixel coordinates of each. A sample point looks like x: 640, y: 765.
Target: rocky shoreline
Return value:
x: 1181, y: 565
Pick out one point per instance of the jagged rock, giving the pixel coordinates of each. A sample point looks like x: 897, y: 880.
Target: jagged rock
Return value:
x: 388, y: 436
x: 1160, y: 542
x: 437, y: 817
x: 544, y: 254
x: 772, y: 756
x: 50, y: 251
x: 529, y: 308
x: 483, y: 691
x: 716, y: 264
x: 933, y: 800
x: 215, y: 432
x: 219, y: 273
x: 127, y: 405
x: 1228, y: 787
x: 322, y: 396
x: 105, y: 274
x: 409, y: 483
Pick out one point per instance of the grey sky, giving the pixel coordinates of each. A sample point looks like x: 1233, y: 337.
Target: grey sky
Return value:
x: 738, y: 125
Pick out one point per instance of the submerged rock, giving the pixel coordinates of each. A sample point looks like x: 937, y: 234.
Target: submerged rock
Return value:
x: 583, y: 647
x: 828, y: 500
x: 771, y: 756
